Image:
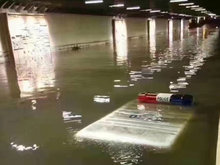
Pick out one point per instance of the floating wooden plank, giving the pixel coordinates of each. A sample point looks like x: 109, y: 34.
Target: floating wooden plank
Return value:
x: 144, y: 124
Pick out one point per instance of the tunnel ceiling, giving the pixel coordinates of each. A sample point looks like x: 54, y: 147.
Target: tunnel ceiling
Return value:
x: 167, y: 9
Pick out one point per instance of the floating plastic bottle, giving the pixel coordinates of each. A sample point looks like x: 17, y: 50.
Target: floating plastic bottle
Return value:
x: 169, y: 98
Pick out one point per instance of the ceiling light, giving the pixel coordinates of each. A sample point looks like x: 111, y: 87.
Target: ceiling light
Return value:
x: 117, y: 5
x: 93, y: 1
x: 133, y: 8
x: 177, y: 1
x: 154, y: 11
x: 186, y: 4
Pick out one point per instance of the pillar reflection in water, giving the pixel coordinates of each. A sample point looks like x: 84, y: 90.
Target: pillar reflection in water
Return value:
x: 170, y: 29
x: 197, y: 60
x: 181, y: 29
x: 204, y: 32
x: 121, y: 46
x: 31, y: 48
x: 197, y: 32
x: 152, y: 36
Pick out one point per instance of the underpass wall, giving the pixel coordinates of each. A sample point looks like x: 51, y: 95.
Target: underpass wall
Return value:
x: 136, y: 27
x: 69, y: 30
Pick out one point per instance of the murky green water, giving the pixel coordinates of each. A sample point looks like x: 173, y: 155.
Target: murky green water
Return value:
x: 93, y: 82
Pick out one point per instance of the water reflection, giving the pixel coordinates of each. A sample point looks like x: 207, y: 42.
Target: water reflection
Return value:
x: 182, y: 29
x: 24, y: 148
x: 144, y: 124
x: 204, y: 32
x: 197, y: 32
x: 124, y: 83
x: 121, y: 45
x: 160, y: 59
x: 170, y: 29
x: 197, y: 60
x: 31, y: 48
x: 157, y: 63
x: 33, y: 104
x: 125, y: 154
x: 101, y: 99
x: 152, y: 37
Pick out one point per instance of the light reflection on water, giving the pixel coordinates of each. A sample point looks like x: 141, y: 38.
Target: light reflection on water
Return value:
x: 152, y: 37
x: 170, y: 29
x: 101, y: 99
x: 196, y: 62
x: 125, y: 154
x: 24, y: 148
x: 121, y: 44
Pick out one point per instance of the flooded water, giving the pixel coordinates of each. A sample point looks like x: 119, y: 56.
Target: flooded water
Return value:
x: 45, y: 104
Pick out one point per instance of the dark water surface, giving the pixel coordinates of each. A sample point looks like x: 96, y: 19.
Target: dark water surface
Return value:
x: 36, y: 103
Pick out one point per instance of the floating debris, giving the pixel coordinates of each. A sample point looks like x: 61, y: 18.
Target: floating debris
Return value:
x: 101, y: 99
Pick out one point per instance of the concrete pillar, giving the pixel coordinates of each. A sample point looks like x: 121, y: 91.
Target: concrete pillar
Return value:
x: 6, y: 50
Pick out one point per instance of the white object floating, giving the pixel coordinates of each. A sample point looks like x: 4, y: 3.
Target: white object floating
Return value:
x: 151, y: 125
x: 69, y: 117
